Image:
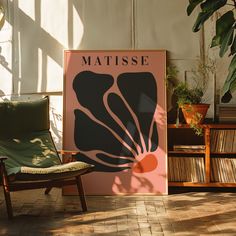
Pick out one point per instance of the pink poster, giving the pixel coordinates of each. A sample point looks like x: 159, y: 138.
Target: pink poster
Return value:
x: 115, y: 116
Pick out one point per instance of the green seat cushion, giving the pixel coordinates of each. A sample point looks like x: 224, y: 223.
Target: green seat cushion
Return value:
x: 17, y: 117
x: 35, y: 150
x: 67, y: 170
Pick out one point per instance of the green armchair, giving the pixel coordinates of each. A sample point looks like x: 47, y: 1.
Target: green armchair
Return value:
x: 28, y: 156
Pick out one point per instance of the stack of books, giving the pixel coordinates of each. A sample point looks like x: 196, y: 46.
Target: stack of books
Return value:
x: 189, y: 148
x: 227, y: 113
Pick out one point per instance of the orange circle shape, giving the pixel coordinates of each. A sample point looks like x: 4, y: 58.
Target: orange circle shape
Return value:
x: 147, y: 164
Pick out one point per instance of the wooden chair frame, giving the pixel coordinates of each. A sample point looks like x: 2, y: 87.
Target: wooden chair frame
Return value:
x: 11, y: 186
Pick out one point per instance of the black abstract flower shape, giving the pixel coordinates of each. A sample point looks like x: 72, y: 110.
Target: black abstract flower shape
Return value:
x: 119, y: 108
x: 89, y: 134
x: 115, y: 120
x: 142, y: 99
x: 90, y: 88
x: 154, y: 138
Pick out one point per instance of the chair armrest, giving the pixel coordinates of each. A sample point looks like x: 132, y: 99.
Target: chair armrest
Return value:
x: 3, y: 172
x: 2, y: 166
x: 3, y: 158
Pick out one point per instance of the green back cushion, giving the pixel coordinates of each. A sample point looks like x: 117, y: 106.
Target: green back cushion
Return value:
x: 17, y: 117
x: 33, y: 150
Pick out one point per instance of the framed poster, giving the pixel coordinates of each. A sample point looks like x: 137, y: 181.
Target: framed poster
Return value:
x: 115, y: 115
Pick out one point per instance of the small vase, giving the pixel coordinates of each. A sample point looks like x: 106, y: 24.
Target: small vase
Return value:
x: 194, y: 113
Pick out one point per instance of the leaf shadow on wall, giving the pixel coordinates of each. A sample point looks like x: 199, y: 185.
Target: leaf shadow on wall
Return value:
x: 106, y: 24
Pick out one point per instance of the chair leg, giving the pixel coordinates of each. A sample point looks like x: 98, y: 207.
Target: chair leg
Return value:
x: 47, y: 190
x: 81, y: 193
x: 8, y: 202
x: 6, y: 192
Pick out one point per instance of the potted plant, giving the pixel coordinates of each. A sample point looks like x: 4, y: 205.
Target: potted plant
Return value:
x: 189, y: 100
x: 190, y: 97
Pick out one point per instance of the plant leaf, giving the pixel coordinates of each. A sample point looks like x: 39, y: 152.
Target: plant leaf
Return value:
x: 227, y: 40
x: 215, y: 41
x: 228, y: 94
x: 233, y: 86
x: 223, y: 24
x: 202, y: 17
x: 192, y: 5
x: 226, y: 97
x: 231, y: 77
x: 212, y: 5
x: 233, y: 47
x: 208, y: 8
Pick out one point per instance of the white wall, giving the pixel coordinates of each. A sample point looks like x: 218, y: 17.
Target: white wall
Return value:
x: 37, y: 31
x: 6, y: 59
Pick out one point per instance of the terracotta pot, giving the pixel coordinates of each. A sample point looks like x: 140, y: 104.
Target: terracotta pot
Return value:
x: 194, y: 113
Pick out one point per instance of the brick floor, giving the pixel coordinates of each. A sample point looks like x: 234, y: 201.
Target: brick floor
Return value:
x: 199, y: 213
